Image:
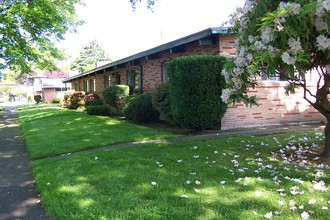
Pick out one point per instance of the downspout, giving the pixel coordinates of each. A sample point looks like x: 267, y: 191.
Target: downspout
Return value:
x: 141, y: 79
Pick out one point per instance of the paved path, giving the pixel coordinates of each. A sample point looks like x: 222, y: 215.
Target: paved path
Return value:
x: 18, y: 198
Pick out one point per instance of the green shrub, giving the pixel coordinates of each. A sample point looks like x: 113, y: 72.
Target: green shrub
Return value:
x: 161, y: 102
x: 93, y: 102
x: 37, y: 98
x: 139, y: 109
x: 116, y: 96
x: 195, y: 85
x: 100, y: 110
x: 56, y: 100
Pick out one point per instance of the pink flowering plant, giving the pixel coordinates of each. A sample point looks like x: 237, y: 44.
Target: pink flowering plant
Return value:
x: 74, y: 100
x: 282, y: 38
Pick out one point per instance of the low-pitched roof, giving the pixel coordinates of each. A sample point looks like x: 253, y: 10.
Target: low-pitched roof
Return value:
x: 181, y: 41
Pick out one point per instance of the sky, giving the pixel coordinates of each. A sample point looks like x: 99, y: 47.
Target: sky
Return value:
x: 122, y: 32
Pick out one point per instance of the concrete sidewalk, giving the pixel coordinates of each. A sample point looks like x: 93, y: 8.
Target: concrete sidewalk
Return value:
x: 18, y: 197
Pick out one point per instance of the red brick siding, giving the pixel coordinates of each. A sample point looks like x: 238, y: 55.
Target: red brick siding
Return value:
x: 49, y: 94
x: 275, y: 108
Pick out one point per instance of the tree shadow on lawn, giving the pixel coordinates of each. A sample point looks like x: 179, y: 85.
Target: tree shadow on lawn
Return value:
x: 118, y: 184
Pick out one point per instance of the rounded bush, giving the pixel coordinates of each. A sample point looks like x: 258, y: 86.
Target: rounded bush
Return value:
x: 56, y: 100
x: 37, y: 98
x: 195, y: 85
x: 139, y: 109
x: 161, y: 102
x: 113, y: 95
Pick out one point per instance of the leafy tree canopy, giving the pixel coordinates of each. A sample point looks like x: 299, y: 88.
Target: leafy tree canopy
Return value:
x: 28, y: 30
x: 89, y: 56
x: 287, y: 38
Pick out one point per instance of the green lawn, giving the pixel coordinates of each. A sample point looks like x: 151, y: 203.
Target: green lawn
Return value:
x: 230, y: 178
x: 50, y: 130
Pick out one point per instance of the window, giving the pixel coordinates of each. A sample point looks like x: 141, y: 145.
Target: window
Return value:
x: 61, y: 89
x: 77, y: 86
x: 164, y: 72
x: 117, y: 78
x: 133, y: 79
x: 278, y: 77
x: 86, y: 86
x: 92, y: 85
x: 107, y: 80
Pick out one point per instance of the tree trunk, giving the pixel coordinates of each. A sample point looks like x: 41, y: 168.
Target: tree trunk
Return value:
x: 326, y: 149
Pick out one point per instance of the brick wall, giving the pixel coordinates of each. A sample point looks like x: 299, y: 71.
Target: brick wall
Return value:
x: 226, y: 45
x: 49, y: 94
x: 275, y: 108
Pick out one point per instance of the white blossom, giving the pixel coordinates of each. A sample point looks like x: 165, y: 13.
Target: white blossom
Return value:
x: 252, y: 39
x: 225, y: 95
x: 259, y: 45
x: 267, y: 35
x: 288, y: 59
x: 244, y: 21
x: 268, y: 215
x: 153, y: 183
x: 320, y: 186
x: 304, y: 215
x: 326, y: 4
x: 292, y: 8
x: 323, y: 42
x: 320, y: 24
x: 311, y: 202
x: 294, y: 44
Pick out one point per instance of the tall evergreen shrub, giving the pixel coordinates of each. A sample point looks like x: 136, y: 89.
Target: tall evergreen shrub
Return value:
x: 195, y: 85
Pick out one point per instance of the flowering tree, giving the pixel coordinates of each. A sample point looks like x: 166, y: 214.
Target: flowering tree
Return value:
x: 286, y: 38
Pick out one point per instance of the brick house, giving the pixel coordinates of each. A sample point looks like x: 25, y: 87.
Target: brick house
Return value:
x: 49, y: 85
x: 146, y: 70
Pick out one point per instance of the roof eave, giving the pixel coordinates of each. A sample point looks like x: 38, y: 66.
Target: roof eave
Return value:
x: 187, y: 39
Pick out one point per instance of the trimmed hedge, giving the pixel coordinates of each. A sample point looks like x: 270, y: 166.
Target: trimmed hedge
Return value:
x: 195, y: 85
x: 100, y: 110
x: 161, y: 102
x: 139, y: 109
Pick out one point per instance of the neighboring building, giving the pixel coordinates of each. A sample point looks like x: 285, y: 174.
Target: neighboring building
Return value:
x: 146, y: 70
x: 49, y: 85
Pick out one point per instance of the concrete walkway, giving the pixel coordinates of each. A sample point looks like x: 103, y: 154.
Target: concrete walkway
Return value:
x: 18, y: 197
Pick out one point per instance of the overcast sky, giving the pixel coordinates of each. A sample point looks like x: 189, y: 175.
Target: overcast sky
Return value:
x: 122, y: 32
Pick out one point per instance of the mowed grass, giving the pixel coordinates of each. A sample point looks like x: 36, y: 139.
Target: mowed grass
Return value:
x: 50, y: 130
x: 229, y: 178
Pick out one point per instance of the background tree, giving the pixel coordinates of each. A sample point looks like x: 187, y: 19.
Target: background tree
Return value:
x: 28, y: 30
x: 150, y: 3
x: 286, y: 38
x: 89, y: 56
